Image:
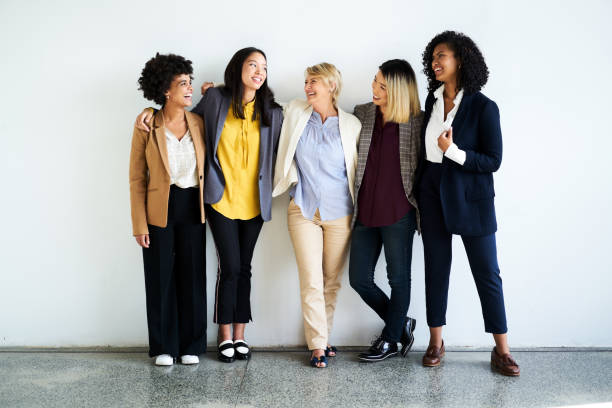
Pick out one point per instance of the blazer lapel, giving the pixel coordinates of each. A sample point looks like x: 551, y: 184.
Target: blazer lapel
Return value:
x: 405, y: 133
x: 221, y: 116
x: 346, y: 143
x: 300, y: 125
x: 264, y: 144
x: 196, y: 136
x: 348, y: 147
x: 459, y: 120
x: 160, y: 138
x: 367, y: 128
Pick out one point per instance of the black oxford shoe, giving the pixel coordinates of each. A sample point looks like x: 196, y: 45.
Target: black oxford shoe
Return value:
x: 407, y: 338
x: 383, y: 351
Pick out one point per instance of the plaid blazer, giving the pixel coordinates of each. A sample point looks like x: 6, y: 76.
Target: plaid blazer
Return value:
x: 409, y: 146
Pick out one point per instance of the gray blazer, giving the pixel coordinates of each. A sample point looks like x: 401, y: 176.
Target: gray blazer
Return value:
x: 409, y: 146
x: 213, y: 107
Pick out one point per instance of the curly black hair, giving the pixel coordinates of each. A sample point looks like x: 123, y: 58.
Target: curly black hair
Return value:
x: 473, y: 72
x: 158, y: 74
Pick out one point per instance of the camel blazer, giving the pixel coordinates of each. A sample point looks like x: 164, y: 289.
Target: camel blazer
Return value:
x: 297, y: 113
x: 150, y: 172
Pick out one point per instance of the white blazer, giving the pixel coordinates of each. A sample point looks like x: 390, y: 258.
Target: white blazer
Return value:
x: 297, y: 113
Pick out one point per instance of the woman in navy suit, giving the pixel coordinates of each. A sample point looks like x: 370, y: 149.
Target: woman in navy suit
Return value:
x: 463, y: 147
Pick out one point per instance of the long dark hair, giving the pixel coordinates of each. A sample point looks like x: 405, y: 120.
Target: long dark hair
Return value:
x: 264, y: 97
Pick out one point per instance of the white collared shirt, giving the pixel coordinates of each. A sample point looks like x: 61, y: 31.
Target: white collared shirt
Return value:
x: 182, y: 160
x: 437, y: 125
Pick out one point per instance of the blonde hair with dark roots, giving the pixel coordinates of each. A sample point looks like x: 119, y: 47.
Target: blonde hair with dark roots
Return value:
x: 402, y: 92
x: 330, y: 75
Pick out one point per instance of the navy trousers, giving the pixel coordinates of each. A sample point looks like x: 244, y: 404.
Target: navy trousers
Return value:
x: 437, y: 245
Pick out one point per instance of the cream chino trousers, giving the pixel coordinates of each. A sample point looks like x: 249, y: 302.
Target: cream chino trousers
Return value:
x: 320, y: 250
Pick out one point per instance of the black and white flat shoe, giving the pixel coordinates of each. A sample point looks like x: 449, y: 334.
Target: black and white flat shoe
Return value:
x: 243, y: 351
x: 225, y: 351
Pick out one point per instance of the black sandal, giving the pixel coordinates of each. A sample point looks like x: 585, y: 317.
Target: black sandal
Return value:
x: 329, y: 350
x: 239, y: 355
x: 315, y: 361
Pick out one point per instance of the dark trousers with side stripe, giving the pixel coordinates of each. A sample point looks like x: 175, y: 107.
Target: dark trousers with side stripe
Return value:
x: 437, y: 246
x: 235, y: 243
x: 175, y: 278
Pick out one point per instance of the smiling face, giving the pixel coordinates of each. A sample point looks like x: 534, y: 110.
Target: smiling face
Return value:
x: 317, y: 90
x: 254, y: 71
x: 180, y: 90
x: 444, y: 64
x: 379, y: 90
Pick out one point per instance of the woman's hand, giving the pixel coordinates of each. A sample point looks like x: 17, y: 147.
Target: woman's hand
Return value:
x: 143, y: 240
x: 144, y: 119
x: 445, y: 140
x: 206, y: 85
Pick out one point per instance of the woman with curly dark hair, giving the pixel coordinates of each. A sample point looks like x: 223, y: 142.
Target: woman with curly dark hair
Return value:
x: 463, y: 147
x: 166, y: 186
x: 242, y: 123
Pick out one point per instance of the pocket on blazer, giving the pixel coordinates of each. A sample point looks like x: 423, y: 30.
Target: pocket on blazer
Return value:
x: 480, y: 193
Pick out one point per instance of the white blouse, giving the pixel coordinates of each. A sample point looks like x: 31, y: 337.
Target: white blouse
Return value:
x: 182, y: 160
x: 437, y: 125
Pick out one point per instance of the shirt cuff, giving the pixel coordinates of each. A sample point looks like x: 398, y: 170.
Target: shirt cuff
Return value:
x: 455, y: 154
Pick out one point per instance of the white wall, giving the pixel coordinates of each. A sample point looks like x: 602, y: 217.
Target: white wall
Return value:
x: 71, y: 273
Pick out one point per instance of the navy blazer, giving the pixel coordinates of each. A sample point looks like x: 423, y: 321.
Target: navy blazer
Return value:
x: 467, y: 192
x: 213, y: 107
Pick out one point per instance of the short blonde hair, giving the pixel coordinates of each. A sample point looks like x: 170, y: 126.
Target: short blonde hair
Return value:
x: 402, y: 93
x: 331, y: 75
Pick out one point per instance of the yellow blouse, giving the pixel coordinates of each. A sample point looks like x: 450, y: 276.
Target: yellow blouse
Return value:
x: 238, y: 154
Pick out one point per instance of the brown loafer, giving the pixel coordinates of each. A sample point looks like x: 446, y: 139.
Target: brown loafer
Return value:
x: 504, y: 364
x: 433, y: 356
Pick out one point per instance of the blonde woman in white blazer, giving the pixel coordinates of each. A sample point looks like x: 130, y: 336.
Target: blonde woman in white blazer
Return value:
x: 316, y: 162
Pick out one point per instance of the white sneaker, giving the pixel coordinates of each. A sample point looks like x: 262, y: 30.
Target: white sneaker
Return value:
x: 164, y: 360
x: 188, y: 359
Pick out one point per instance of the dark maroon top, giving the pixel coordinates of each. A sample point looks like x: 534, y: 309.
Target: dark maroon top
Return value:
x: 382, y: 200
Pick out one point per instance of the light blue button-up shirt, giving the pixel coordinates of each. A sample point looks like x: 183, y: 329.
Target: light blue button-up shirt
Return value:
x: 322, y: 180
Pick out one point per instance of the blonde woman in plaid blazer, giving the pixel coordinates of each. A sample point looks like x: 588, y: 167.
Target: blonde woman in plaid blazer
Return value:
x: 386, y: 212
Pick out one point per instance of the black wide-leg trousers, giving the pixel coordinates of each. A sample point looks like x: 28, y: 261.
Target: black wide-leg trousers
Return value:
x: 175, y: 278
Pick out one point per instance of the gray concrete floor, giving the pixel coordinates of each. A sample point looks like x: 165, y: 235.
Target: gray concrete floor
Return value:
x: 283, y: 379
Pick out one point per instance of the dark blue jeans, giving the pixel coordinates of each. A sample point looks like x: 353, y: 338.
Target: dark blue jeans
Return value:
x: 366, y: 244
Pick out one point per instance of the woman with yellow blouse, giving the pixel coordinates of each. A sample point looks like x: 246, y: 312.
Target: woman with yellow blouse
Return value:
x: 242, y: 124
